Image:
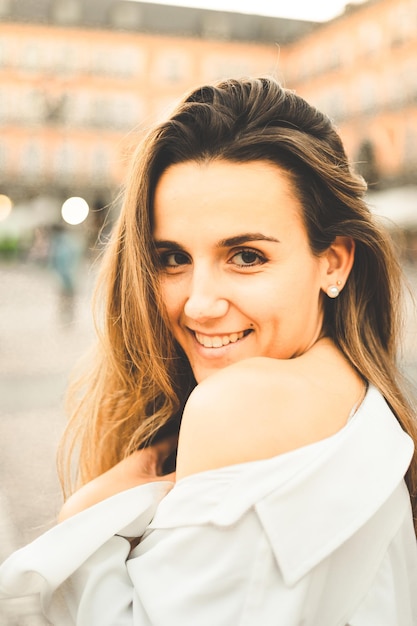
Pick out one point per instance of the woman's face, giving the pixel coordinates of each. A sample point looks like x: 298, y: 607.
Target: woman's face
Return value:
x: 238, y: 277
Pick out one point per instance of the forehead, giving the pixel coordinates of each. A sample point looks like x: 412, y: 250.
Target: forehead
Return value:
x: 223, y: 194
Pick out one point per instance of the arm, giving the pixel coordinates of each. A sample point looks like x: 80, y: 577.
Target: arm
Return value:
x: 72, y: 565
x: 141, y: 467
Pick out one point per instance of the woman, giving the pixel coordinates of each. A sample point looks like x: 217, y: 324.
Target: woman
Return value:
x: 252, y: 306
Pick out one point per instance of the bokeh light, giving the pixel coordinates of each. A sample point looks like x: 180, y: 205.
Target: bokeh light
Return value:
x: 5, y: 207
x: 75, y: 210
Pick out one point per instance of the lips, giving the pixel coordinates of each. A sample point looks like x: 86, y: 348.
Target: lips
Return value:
x: 219, y: 341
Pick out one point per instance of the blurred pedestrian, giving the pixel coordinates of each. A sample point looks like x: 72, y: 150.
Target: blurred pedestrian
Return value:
x: 64, y: 259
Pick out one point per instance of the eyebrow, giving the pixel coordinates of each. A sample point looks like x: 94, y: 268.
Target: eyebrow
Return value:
x: 167, y: 245
x: 244, y: 238
x: 229, y: 242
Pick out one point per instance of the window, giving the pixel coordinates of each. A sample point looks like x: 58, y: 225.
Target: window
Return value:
x: 367, y: 97
x: 216, y: 25
x: 66, y: 12
x: 172, y: 66
x: 410, y: 144
x: 32, y: 159
x: 371, y: 38
x: 5, y: 8
x: 128, y: 61
x: 126, y: 16
x: 66, y: 158
x: 31, y: 56
x: 218, y: 66
x: 100, y: 164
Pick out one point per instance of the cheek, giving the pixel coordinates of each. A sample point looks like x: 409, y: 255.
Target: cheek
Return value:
x: 285, y: 300
x: 171, y: 298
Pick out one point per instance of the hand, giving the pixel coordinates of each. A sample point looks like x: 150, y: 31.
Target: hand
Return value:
x: 141, y: 467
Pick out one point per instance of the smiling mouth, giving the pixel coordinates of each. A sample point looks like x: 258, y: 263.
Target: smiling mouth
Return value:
x: 219, y: 341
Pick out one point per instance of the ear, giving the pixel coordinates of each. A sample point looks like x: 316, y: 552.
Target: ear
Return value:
x: 337, y: 263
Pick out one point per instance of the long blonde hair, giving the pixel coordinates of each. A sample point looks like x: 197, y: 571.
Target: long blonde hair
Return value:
x: 139, y: 379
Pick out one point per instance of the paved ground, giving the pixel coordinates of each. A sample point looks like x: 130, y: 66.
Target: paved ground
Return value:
x: 37, y: 351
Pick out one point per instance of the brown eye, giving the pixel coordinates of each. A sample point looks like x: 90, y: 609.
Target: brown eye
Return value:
x: 248, y: 258
x: 174, y: 259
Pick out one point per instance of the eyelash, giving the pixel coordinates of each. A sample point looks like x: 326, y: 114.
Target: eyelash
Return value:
x: 260, y: 259
x: 165, y: 256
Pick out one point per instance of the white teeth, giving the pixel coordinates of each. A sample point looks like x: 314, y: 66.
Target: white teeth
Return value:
x: 218, y: 341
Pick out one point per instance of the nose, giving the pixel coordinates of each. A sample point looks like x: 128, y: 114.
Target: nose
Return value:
x: 206, y: 300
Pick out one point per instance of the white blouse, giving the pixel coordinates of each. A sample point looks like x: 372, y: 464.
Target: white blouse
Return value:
x: 321, y: 536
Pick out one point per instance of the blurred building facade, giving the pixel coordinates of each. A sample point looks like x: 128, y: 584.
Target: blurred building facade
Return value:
x: 82, y: 80
x: 361, y: 69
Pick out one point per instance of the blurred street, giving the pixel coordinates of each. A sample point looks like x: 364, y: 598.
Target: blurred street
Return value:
x: 38, y: 349
x: 37, y: 352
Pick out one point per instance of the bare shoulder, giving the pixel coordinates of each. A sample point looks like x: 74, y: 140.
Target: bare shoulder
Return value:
x: 262, y: 407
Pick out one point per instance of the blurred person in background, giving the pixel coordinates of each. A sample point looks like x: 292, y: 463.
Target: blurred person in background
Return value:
x: 245, y: 447
x: 64, y: 258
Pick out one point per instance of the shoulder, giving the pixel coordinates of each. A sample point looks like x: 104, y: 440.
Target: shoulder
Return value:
x: 262, y: 407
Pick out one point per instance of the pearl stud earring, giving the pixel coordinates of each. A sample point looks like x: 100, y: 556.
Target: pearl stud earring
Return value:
x: 333, y: 291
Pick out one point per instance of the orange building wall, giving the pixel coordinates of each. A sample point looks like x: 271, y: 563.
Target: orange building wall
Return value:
x: 362, y: 70
x: 73, y: 102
